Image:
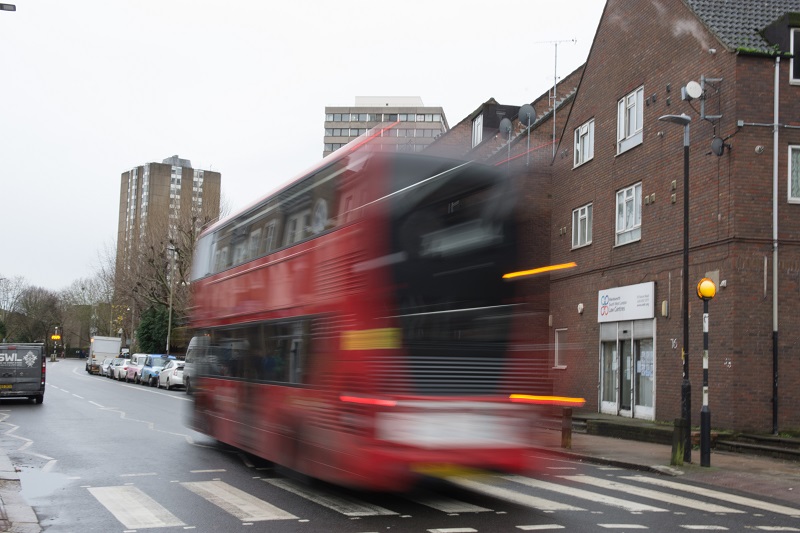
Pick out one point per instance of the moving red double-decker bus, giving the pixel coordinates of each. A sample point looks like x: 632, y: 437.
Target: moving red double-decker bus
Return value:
x: 355, y: 325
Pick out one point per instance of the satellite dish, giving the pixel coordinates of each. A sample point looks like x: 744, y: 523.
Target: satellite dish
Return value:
x: 527, y: 114
x: 694, y: 90
x: 718, y: 146
x: 505, y: 125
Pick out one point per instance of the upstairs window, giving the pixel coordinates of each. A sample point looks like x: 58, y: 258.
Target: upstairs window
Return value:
x: 584, y: 143
x: 794, y: 63
x: 794, y: 174
x: 582, y: 226
x: 629, y: 120
x: 629, y: 214
x: 477, y: 130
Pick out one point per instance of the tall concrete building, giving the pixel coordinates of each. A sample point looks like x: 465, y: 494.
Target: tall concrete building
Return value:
x: 157, y: 200
x: 418, y: 124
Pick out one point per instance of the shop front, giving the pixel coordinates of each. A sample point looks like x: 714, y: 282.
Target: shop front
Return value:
x: 626, y: 316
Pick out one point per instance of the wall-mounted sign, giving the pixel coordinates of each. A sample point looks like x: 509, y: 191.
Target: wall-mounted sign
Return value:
x: 633, y: 302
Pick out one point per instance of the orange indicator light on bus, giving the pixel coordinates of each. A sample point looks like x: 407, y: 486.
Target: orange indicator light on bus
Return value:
x: 547, y: 400
x: 368, y: 401
x: 539, y: 270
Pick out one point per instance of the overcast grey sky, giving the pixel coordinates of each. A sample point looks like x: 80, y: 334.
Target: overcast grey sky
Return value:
x: 93, y: 88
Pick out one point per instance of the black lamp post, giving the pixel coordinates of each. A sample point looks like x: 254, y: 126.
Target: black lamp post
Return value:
x: 686, y: 386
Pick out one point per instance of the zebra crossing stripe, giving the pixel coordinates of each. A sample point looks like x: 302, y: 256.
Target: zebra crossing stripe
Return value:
x: 652, y: 494
x: 512, y: 496
x: 730, y: 498
x: 448, y: 505
x: 343, y: 505
x: 134, y: 508
x: 627, y: 505
x: 240, y: 504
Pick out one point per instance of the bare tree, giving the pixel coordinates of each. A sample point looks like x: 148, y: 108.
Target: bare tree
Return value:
x: 11, y: 290
x: 38, y: 315
x: 157, y: 275
x: 78, y: 308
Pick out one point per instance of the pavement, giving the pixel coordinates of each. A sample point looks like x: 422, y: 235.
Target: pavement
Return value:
x: 774, y: 479
x: 16, y: 515
x: 768, y: 477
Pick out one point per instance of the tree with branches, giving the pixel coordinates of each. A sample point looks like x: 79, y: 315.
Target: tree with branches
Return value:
x: 11, y: 290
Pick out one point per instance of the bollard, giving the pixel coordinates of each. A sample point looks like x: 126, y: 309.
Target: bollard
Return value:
x: 566, y: 428
x: 678, y: 440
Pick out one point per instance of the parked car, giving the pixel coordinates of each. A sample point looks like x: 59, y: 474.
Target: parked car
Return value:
x: 152, y: 366
x: 134, y: 372
x: 118, y: 368
x: 110, y: 370
x: 105, y: 365
x: 171, y: 375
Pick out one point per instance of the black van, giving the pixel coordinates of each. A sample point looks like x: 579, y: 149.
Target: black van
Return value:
x: 22, y: 371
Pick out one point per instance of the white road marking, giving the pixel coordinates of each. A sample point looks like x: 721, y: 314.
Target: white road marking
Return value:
x: 653, y: 494
x: 540, y: 527
x: 134, y: 508
x: 240, y: 504
x: 776, y: 528
x: 448, y: 505
x: 139, y: 475
x: 346, y: 506
x: 208, y: 471
x: 627, y: 505
x: 705, y: 528
x: 724, y: 496
x: 453, y: 530
x: 513, y: 496
x: 623, y: 526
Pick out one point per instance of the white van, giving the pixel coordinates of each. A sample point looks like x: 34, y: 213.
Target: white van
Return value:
x: 198, y: 347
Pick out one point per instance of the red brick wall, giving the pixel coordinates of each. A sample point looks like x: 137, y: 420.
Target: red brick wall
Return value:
x: 662, y: 46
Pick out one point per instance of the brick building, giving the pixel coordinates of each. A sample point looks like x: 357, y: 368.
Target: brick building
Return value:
x: 613, y: 193
x: 618, y: 213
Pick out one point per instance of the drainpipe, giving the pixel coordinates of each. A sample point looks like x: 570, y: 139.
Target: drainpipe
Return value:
x: 775, y: 124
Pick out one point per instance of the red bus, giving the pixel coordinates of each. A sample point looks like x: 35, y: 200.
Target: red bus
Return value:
x: 355, y: 325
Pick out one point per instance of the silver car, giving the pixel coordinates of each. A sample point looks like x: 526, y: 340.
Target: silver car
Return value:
x: 106, y: 365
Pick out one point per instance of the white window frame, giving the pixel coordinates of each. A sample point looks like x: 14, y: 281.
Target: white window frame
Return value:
x: 584, y: 143
x: 794, y: 46
x: 629, y: 214
x: 630, y: 111
x: 793, y: 185
x: 253, y: 242
x: 240, y: 252
x: 297, y: 227
x: 559, y: 359
x: 477, y: 130
x: 223, y: 259
x: 269, y: 238
x: 582, y: 226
